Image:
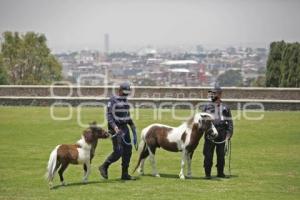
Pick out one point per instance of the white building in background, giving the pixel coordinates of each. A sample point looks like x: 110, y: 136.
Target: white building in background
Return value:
x: 179, y: 63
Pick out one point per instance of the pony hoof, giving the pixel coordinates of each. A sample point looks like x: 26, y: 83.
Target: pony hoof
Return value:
x: 156, y: 175
x: 84, y: 181
x: 189, y: 176
x: 50, y: 185
x: 63, y: 183
x: 141, y: 173
x: 181, y: 177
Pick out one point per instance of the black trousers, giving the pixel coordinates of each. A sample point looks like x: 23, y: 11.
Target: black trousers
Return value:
x: 120, y: 148
x: 208, y: 152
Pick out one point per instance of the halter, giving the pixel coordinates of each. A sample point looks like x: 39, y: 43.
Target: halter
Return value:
x: 208, y: 136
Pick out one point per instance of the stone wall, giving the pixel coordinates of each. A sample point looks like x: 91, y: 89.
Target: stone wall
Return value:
x: 151, y: 92
x: 164, y: 97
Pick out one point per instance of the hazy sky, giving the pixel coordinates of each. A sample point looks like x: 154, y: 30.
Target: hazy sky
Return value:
x: 77, y: 24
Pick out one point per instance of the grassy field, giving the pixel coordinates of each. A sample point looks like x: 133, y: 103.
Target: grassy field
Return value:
x: 265, y: 160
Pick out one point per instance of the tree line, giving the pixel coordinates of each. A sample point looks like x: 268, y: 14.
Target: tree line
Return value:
x: 283, y: 65
x: 25, y: 59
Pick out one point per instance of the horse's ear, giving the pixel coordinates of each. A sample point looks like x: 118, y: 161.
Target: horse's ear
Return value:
x: 203, y: 115
x: 88, y: 135
x: 200, y: 122
x: 206, y: 116
x: 94, y: 123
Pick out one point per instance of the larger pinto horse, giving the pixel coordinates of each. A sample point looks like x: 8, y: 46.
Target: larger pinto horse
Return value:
x: 184, y: 138
x: 80, y: 153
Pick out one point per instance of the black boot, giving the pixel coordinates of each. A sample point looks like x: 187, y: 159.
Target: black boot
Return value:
x: 103, y: 170
x: 221, y: 173
x: 207, y: 173
x: 125, y: 175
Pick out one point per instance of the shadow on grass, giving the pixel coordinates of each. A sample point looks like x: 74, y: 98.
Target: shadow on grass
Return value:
x: 233, y: 176
x: 89, y: 183
x: 215, y: 178
x: 162, y: 175
x: 174, y: 176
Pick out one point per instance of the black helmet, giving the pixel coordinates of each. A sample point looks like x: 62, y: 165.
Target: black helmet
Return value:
x: 125, y: 88
x: 213, y: 93
x: 216, y: 89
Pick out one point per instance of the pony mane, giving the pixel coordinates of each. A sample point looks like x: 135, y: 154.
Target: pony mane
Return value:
x: 197, y: 117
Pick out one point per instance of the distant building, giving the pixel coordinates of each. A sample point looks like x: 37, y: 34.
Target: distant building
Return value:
x: 148, y: 66
x: 148, y: 52
x: 199, y: 49
x: 106, y: 43
x: 179, y: 63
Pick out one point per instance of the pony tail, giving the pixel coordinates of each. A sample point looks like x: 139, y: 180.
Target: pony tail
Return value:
x: 143, y: 153
x: 51, y: 164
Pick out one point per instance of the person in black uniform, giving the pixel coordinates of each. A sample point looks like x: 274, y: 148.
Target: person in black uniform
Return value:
x: 118, y: 117
x: 224, y: 126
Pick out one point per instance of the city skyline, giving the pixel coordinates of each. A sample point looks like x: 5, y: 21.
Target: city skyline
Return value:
x: 74, y: 25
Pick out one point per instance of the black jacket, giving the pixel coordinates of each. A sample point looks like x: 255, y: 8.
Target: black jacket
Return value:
x: 223, y: 120
x: 118, y: 112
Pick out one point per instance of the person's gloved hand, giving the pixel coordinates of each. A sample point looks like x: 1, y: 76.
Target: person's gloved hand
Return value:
x: 228, y: 136
x: 135, y: 142
x: 117, y: 130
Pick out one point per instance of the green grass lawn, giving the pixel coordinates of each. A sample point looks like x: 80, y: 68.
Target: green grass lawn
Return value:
x: 265, y: 160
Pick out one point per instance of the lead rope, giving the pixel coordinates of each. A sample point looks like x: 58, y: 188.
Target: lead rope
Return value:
x: 227, y: 150
x: 123, y: 139
x: 228, y: 155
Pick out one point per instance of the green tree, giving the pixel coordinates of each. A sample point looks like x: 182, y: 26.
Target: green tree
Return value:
x: 3, y: 74
x: 231, y: 78
x: 273, y: 74
x: 283, y: 65
x: 290, y: 66
x: 260, y: 81
x: 28, y: 59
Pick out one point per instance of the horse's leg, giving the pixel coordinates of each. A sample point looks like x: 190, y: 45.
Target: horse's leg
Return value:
x: 189, y: 162
x: 85, y: 169
x: 92, y: 154
x: 88, y: 171
x: 152, y: 160
x: 84, y: 165
x: 141, y: 167
x: 143, y: 157
x: 58, y: 163
x: 183, y: 159
x: 61, y: 171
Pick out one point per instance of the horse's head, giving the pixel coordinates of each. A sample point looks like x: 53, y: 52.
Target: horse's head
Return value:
x: 93, y: 133
x: 98, y: 131
x: 206, y: 124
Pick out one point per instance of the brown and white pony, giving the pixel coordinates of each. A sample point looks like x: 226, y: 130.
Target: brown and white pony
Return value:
x: 184, y: 138
x: 80, y: 153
